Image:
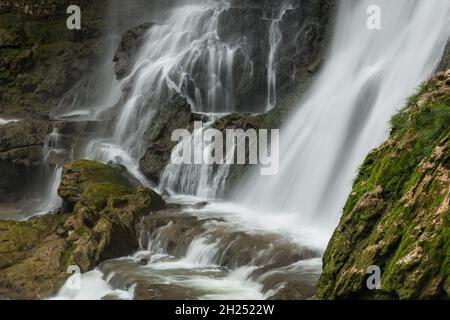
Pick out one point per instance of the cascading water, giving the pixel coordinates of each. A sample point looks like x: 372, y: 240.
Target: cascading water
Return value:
x: 188, y: 51
x: 367, y: 78
x: 6, y: 121
x: 215, y: 264
x: 275, y: 38
x: 54, y: 155
x: 200, y: 180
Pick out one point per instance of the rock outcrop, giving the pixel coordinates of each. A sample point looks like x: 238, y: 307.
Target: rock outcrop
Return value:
x: 41, y: 59
x: 176, y: 114
x: 21, y: 146
x: 304, y: 30
x: 22, y: 152
x: 128, y: 48
x: 35, y: 254
x: 398, y: 214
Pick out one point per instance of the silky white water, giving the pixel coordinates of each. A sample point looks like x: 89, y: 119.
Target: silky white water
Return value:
x: 199, y: 273
x: 6, y: 121
x: 367, y: 78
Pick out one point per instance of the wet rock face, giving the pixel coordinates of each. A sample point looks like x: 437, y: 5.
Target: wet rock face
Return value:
x: 21, y: 146
x: 128, y: 49
x: 397, y: 216
x: 246, y: 26
x: 34, y: 255
x: 176, y: 114
x: 40, y: 59
x: 304, y: 31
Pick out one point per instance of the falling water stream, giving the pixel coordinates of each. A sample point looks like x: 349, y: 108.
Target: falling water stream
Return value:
x: 367, y: 78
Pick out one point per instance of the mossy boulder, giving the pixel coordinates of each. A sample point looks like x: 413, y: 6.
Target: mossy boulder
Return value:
x: 398, y: 215
x: 35, y: 254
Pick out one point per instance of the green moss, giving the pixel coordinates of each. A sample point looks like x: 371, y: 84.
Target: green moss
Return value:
x: 97, y: 172
x: 67, y: 257
x: 97, y: 194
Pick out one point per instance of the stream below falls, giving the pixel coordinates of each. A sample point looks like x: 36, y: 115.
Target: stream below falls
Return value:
x: 198, y: 252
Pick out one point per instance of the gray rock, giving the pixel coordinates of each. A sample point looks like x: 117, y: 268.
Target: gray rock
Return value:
x: 128, y: 48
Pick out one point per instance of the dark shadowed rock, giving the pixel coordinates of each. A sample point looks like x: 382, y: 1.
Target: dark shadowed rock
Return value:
x: 175, y: 114
x: 128, y: 48
x: 397, y: 216
x: 35, y: 254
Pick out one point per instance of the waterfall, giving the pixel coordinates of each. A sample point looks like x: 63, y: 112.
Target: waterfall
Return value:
x: 275, y: 38
x: 182, y: 55
x: 54, y: 155
x: 200, y: 180
x: 367, y: 78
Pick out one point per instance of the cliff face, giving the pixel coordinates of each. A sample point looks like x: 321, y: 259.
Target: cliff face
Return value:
x: 34, y: 8
x: 398, y: 216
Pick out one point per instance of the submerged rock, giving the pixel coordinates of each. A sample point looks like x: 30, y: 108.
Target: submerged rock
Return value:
x: 398, y: 214
x: 35, y: 254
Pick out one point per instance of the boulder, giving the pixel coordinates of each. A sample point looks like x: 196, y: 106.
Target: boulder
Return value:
x: 35, y: 254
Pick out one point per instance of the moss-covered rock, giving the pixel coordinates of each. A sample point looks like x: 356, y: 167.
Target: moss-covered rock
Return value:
x: 175, y: 114
x: 41, y: 59
x: 79, y: 175
x: 398, y: 216
x: 35, y: 254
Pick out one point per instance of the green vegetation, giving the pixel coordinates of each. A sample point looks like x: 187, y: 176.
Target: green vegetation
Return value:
x: 397, y: 216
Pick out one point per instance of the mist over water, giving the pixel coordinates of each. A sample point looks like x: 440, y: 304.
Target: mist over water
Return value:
x: 367, y: 78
